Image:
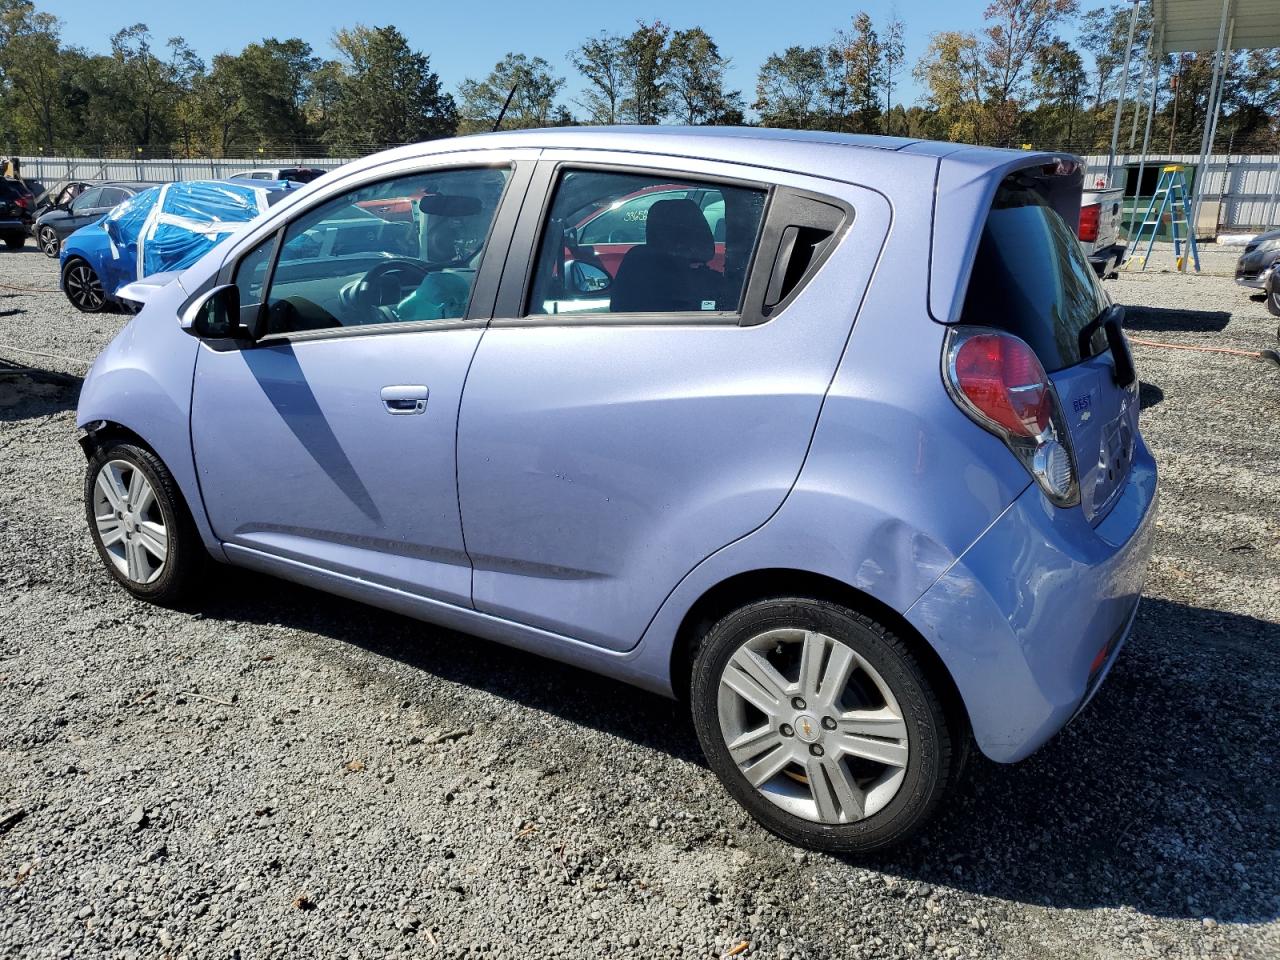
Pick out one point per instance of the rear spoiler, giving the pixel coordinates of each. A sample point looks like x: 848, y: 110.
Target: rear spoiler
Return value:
x: 966, y: 185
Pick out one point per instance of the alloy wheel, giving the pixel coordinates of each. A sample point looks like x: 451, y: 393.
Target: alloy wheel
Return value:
x: 84, y: 288
x: 129, y: 521
x: 812, y: 726
x: 49, y: 244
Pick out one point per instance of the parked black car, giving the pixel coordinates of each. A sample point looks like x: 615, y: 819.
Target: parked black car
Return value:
x: 17, y: 205
x: 1257, y: 264
x: 63, y: 219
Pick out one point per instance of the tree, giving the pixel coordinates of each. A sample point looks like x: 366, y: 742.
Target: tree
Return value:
x: 532, y: 105
x: 695, y: 80
x: 892, y: 50
x: 387, y: 93
x: 645, y: 54
x: 1018, y: 30
x: 602, y: 62
x: 31, y: 67
x: 1057, y: 83
x: 274, y: 85
x: 953, y: 73
x: 149, y: 88
x: 858, y: 57
x: 789, y: 88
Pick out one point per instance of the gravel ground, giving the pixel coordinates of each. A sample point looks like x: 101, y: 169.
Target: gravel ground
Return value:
x: 282, y: 773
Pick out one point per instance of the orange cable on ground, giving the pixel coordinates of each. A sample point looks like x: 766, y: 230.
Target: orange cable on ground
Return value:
x: 1181, y: 346
x: 9, y: 286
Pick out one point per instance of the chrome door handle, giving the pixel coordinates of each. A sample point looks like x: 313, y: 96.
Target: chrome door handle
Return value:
x: 404, y: 400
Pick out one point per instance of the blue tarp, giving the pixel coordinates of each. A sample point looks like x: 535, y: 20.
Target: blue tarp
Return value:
x: 170, y: 227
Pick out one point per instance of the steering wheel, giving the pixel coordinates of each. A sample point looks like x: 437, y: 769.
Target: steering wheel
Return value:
x: 383, y: 286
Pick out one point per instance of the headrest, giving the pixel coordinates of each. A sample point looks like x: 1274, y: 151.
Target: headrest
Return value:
x: 678, y: 229
x: 448, y: 205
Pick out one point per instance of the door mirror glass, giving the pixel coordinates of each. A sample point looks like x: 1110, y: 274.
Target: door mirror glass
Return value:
x: 588, y: 279
x: 216, y: 315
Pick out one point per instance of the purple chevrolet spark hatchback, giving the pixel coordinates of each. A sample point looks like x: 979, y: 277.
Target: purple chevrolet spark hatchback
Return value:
x: 835, y: 437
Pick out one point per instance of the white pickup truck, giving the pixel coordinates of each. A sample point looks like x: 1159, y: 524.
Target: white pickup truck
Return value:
x: 1099, y: 231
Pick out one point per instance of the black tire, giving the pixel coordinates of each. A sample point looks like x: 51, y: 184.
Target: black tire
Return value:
x: 15, y: 241
x: 82, y: 286
x: 186, y: 555
x: 1273, y: 295
x: 47, y: 240
x: 935, y: 746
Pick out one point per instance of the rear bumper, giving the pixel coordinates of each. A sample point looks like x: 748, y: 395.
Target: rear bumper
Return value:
x: 1106, y: 259
x: 1031, y: 617
x: 14, y: 225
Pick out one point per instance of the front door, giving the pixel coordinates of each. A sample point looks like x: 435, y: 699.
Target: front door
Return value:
x: 330, y: 441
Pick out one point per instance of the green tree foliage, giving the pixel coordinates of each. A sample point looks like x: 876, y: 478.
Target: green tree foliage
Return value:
x: 601, y: 60
x: 1037, y: 71
x: 532, y: 105
x: 387, y: 92
x: 696, y: 83
x: 645, y: 65
x: 791, y: 88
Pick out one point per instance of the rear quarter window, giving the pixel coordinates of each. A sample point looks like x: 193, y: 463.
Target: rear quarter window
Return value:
x: 1030, y: 278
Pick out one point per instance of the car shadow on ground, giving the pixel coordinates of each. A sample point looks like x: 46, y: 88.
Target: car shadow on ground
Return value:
x: 28, y: 392
x: 1159, y: 797
x: 1167, y: 319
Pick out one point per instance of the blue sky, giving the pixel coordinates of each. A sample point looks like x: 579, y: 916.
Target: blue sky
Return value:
x: 467, y: 38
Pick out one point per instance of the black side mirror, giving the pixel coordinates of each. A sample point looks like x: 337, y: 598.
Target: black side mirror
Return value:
x: 216, y: 315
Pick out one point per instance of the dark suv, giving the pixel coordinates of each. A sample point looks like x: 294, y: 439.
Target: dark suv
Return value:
x: 16, y: 207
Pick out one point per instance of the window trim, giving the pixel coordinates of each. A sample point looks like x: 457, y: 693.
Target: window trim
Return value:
x: 519, y: 169
x: 532, y: 236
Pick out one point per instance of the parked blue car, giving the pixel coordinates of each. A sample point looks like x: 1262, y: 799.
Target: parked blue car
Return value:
x: 835, y: 438
x: 157, y: 231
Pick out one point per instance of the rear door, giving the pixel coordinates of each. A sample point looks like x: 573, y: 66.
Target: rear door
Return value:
x: 603, y: 454
x: 1031, y: 279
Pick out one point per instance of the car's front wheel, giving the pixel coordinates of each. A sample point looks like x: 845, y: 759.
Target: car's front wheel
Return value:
x: 83, y: 287
x: 140, y: 523
x: 49, y: 243
x: 1273, y: 294
x: 823, y: 724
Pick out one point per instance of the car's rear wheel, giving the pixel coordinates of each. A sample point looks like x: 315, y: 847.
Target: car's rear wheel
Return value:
x: 15, y: 241
x: 50, y: 245
x: 83, y: 287
x: 140, y: 523
x: 822, y: 724
x: 1273, y: 295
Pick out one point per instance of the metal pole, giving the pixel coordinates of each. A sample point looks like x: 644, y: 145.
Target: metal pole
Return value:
x: 1198, y: 192
x: 1124, y: 79
x: 1151, y: 109
x: 1142, y: 90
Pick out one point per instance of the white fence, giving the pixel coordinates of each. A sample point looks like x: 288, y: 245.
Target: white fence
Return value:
x: 1248, y: 186
x: 49, y: 170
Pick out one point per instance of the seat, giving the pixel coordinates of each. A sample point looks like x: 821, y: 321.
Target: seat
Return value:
x: 669, y: 272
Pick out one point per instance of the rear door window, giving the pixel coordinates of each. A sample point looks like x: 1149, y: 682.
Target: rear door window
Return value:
x: 1031, y: 278
x: 645, y: 243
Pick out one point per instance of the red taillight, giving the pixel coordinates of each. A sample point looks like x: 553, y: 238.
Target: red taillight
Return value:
x: 1002, y: 379
x: 1090, y: 216
x: 20, y: 202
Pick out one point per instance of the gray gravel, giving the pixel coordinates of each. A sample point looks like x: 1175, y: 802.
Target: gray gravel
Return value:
x: 281, y: 773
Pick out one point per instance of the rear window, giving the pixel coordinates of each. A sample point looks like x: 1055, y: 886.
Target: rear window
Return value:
x: 1031, y: 279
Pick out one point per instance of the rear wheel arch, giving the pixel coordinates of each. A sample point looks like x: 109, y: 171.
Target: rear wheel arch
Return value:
x: 743, y: 588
